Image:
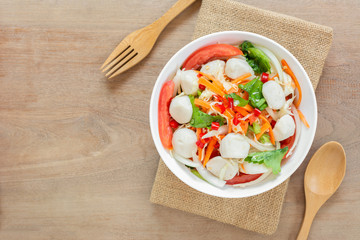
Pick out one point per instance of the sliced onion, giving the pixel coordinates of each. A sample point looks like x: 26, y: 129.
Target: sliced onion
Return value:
x: 183, y: 160
x: 210, y: 134
x: 242, y: 57
x: 275, y: 62
x: 261, y: 178
x: 206, y: 174
x: 298, y: 129
x: 246, y: 117
x: 272, y: 113
x: 277, y: 145
x: 259, y: 146
x: 176, y: 80
x: 222, y: 130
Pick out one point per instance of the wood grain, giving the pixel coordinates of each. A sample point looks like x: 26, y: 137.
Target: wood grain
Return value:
x: 77, y: 158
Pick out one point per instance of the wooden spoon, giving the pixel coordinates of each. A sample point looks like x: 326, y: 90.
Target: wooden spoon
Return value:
x: 323, y: 176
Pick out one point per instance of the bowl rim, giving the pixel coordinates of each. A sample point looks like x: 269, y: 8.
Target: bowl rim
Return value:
x: 155, y: 136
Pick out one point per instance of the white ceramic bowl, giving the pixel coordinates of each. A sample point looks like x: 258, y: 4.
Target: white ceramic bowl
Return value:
x: 308, y: 106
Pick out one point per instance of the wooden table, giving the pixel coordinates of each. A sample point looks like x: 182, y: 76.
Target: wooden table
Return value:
x: 77, y: 158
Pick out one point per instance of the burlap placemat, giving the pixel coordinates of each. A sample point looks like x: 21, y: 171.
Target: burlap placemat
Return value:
x: 310, y: 44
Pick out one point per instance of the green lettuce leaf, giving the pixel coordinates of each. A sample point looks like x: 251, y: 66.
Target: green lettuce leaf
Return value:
x: 256, y: 128
x: 265, y: 138
x: 242, y: 102
x: 200, y: 119
x: 271, y: 159
x: 196, y: 173
x: 254, y: 88
x: 256, y: 58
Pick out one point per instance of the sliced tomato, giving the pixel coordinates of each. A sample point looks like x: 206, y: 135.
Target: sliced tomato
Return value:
x: 289, y: 142
x: 165, y: 130
x: 203, y: 55
x: 243, y: 178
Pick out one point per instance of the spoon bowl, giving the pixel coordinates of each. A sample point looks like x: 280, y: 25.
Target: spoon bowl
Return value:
x: 323, y: 177
x: 326, y: 169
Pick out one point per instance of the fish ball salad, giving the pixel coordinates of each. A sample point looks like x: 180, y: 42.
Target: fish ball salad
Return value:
x: 230, y: 114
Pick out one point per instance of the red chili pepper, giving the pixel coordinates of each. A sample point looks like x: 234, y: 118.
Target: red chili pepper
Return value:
x: 221, y: 108
x: 217, y: 145
x: 203, y: 140
x: 236, y: 120
x: 252, y: 119
x: 216, y: 98
x: 264, y: 77
x: 174, y: 124
x: 231, y: 102
x: 199, y: 75
x: 273, y: 122
x: 257, y: 112
x: 215, y: 125
x: 225, y: 103
x: 200, y: 144
x: 202, y: 87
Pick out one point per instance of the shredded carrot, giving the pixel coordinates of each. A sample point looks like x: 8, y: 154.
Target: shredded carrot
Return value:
x: 242, y: 167
x: 214, y: 80
x: 273, y: 78
x: 231, y: 112
x: 241, y: 78
x: 248, y: 108
x: 202, y: 103
x: 244, y: 82
x: 221, y: 136
x: 271, y: 133
x: 303, y: 119
x: 288, y: 70
x: 264, y: 119
x: 230, y: 117
x: 245, y: 96
x: 209, y: 150
x: 198, y: 131
x: 206, y: 75
x: 272, y: 137
x: 211, y: 86
x: 219, y: 85
x: 263, y: 129
x: 241, y: 110
x: 244, y: 126
x: 232, y: 90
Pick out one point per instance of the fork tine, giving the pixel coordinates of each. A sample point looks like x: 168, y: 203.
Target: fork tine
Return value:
x: 122, y: 47
x: 123, y: 67
x: 118, y: 59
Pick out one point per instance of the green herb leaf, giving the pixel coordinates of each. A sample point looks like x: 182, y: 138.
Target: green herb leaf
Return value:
x: 200, y: 119
x: 245, y: 46
x: 199, y: 92
x: 256, y: 127
x: 256, y: 58
x: 241, y: 102
x: 265, y: 138
x: 254, y: 88
x: 196, y: 173
x: 271, y: 159
x: 250, y: 128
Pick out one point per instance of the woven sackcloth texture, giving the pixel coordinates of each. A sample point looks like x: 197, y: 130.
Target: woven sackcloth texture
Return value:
x: 310, y: 44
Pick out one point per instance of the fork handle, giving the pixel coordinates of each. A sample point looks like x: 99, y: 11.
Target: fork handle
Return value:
x: 175, y: 10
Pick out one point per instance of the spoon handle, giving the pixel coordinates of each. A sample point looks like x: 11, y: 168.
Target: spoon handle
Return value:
x: 310, y: 213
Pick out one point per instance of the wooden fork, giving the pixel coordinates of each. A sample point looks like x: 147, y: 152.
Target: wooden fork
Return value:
x: 137, y: 45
